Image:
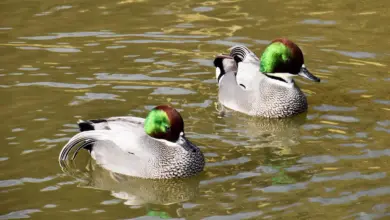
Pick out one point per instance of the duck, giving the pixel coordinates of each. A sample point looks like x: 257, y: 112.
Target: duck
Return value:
x: 263, y: 87
x: 152, y: 148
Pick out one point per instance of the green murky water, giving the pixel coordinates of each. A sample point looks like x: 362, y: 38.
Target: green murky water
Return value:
x: 64, y: 60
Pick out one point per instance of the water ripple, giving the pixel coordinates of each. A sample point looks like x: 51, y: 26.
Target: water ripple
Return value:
x: 90, y: 96
x: 323, y: 159
x: 172, y: 91
x: 67, y: 35
x: 241, y: 175
x: 20, y: 214
x: 326, y: 159
x: 340, y: 118
x: 65, y: 64
x: 242, y: 215
x: 21, y: 181
x: 282, y: 188
x: 318, y: 21
x: 353, y: 197
x: 349, y: 176
x: 156, y: 41
x: 57, y: 85
x: 385, y: 102
x: 136, y: 77
x: 333, y: 108
x: 235, y: 161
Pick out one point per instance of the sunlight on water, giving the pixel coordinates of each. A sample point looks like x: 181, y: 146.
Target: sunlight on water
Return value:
x: 62, y: 62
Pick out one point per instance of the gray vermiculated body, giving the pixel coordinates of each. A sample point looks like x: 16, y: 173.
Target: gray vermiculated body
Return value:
x: 175, y: 163
x: 125, y: 148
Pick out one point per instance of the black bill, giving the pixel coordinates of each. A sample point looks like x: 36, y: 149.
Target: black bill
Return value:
x: 187, y: 144
x: 306, y: 74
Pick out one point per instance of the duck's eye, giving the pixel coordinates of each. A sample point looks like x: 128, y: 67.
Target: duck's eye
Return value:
x: 167, y: 129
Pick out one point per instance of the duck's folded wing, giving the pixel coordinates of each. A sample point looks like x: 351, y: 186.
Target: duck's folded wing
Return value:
x: 111, y: 149
x: 111, y: 157
x: 248, y: 65
x: 113, y: 123
x: 230, y: 90
x: 233, y: 94
x: 127, y: 141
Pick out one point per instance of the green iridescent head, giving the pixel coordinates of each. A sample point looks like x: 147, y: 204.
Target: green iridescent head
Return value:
x: 164, y: 122
x: 281, y: 56
x: 283, y: 59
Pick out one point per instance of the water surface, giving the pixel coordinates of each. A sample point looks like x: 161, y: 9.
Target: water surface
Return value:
x: 65, y: 60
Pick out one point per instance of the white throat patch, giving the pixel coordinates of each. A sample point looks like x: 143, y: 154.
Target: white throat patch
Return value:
x: 217, y: 74
x: 287, y: 77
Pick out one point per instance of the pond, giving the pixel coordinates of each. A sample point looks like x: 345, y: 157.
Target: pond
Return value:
x: 67, y: 60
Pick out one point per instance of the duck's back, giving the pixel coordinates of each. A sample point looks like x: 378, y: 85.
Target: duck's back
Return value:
x: 112, y: 123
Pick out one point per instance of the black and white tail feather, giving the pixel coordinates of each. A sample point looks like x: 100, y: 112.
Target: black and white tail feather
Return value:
x: 241, y: 53
x: 93, y: 131
x: 83, y: 140
x: 86, y: 139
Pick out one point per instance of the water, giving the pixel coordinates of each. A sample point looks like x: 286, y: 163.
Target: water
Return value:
x: 65, y: 60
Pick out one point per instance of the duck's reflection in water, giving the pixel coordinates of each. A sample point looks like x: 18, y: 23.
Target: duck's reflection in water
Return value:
x: 134, y: 191
x: 258, y: 132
